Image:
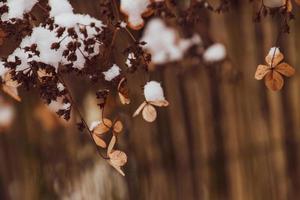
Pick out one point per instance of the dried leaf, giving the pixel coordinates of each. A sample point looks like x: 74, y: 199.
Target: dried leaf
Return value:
x: 285, y: 69
x: 111, y: 145
x: 149, y: 113
x: 261, y: 71
x: 103, y: 127
x: 274, y: 81
x: 99, y: 141
x: 118, y: 127
x: 9, y: 81
x: 278, y: 57
x: 140, y: 108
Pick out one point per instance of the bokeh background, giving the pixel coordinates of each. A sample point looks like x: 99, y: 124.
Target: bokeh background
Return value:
x: 224, y: 135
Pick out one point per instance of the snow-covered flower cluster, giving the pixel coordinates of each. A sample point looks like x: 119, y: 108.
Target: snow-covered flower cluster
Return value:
x: 164, y: 43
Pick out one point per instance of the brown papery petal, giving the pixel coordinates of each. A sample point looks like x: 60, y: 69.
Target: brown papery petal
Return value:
x: 118, y: 158
x: 103, y: 127
x: 261, y: 71
x: 149, y: 113
x: 162, y: 103
x: 285, y: 69
x: 140, y: 108
x: 99, y: 141
x: 118, y: 127
x: 274, y: 81
x: 11, y: 91
x: 278, y: 57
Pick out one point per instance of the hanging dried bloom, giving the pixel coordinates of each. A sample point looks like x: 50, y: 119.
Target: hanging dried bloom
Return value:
x: 274, y: 71
x: 123, y: 91
x: 154, y: 96
x: 117, y: 158
x: 100, y: 128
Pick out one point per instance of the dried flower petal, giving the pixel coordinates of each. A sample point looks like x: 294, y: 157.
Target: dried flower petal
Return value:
x: 111, y: 145
x: 99, y: 141
x: 274, y: 57
x: 285, y: 69
x: 118, y: 127
x: 140, y: 108
x: 274, y: 81
x: 118, y: 158
x: 103, y: 127
x: 261, y: 71
x: 149, y: 113
x: 162, y: 103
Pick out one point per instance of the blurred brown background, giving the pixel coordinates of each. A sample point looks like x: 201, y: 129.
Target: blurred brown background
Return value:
x: 224, y: 136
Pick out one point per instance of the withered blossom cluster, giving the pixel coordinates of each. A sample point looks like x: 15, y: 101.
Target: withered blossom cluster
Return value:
x: 60, y: 43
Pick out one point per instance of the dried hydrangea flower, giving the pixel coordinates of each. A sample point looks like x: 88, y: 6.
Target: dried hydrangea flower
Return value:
x: 274, y: 70
x: 99, y: 128
x: 154, y: 96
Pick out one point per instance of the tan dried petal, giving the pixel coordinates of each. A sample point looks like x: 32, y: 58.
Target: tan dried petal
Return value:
x: 103, y: 127
x: 99, y: 141
x: 111, y: 145
x: 118, y: 127
x: 11, y: 91
x: 261, y: 71
x: 149, y: 113
x: 117, y: 168
x: 278, y: 57
x: 140, y: 108
x: 162, y: 103
x: 274, y: 81
x: 118, y: 158
x: 285, y: 69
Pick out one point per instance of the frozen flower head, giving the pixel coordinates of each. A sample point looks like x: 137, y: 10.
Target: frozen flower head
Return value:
x: 154, y: 96
x: 153, y: 91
